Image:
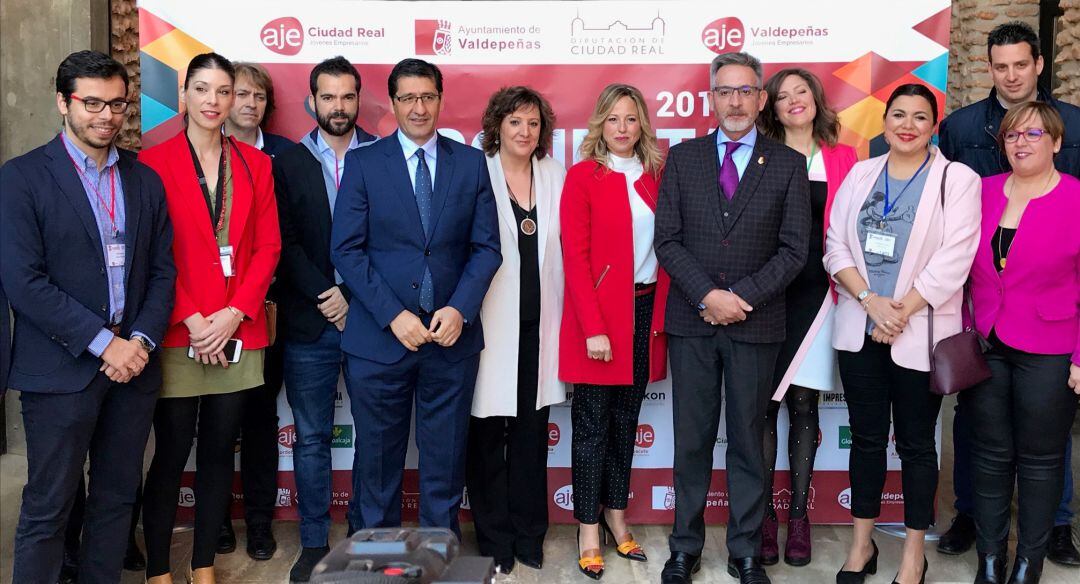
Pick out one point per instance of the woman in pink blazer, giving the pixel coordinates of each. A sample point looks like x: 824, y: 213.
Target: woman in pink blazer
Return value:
x: 1025, y: 290
x: 797, y: 115
x: 894, y: 249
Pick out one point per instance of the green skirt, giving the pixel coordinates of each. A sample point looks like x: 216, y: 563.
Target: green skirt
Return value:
x: 186, y: 377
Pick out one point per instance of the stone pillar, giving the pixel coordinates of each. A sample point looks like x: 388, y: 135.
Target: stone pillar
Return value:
x: 38, y: 35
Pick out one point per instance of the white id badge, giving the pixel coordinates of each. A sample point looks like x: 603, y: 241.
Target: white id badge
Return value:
x: 225, y: 253
x: 880, y: 243
x: 117, y: 254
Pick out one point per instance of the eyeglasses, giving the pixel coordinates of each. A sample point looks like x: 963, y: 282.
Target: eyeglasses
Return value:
x: 409, y: 99
x: 728, y: 91
x: 95, y: 105
x: 1030, y: 135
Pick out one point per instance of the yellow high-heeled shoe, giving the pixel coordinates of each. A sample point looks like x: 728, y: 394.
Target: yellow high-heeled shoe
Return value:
x: 590, y: 561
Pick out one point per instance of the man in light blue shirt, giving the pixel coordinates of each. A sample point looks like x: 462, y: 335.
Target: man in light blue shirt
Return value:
x: 89, y: 273
x: 313, y: 299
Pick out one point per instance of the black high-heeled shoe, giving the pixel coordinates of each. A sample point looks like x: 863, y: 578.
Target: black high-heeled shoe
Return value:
x: 629, y: 549
x: 922, y: 580
x: 593, y: 561
x: 868, y: 569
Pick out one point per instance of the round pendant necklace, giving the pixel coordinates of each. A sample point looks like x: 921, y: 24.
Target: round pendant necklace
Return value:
x: 528, y: 224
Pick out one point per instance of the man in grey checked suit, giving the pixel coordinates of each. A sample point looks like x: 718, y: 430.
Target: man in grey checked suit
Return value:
x: 732, y: 230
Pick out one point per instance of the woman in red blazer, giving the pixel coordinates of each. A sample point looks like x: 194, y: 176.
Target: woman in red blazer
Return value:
x: 798, y: 115
x: 1025, y: 290
x: 220, y: 196
x: 611, y: 342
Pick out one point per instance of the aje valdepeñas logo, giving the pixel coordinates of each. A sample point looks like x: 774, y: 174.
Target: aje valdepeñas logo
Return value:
x: 724, y: 35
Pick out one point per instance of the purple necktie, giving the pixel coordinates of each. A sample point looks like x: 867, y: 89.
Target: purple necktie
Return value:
x: 729, y: 175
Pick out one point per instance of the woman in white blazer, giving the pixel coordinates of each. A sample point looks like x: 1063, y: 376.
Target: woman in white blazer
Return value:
x: 506, y: 469
x: 894, y: 248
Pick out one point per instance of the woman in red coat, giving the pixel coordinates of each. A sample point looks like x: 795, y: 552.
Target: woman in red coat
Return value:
x: 797, y: 115
x: 611, y: 342
x: 220, y: 195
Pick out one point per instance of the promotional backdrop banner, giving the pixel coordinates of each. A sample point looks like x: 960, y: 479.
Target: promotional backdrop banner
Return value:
x: 860, y: 49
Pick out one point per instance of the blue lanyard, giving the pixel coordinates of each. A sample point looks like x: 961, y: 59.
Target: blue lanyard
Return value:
x: 889, y: 205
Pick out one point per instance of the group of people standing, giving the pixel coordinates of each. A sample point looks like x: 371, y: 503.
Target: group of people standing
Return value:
x: 476, y: 283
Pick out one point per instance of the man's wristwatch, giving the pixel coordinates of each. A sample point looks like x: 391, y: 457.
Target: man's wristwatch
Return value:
x: 145, y: 342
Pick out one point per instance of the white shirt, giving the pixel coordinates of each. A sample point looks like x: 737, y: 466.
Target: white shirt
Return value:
x: 645, y: 264
x: 431, y: 153
x: 816, y: 170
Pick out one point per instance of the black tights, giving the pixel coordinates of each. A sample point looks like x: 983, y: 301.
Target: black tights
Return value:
x: 802, y: 406
x: 175, y: 419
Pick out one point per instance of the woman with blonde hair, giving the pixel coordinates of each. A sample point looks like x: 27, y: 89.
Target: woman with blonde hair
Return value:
x: 611, y: 342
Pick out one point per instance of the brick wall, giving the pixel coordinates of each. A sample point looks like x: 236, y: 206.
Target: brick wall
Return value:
x: 125, y: 48
x: 969, y: 66
x: 1068, y: 59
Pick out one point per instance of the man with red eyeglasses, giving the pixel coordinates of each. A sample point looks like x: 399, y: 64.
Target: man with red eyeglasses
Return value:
x: 89, y: 275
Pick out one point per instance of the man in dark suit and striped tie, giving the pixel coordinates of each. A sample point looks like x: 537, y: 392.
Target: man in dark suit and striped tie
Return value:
x: 732, y: 230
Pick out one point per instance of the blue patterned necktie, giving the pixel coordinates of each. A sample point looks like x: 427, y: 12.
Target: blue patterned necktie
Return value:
x: 422, y: 190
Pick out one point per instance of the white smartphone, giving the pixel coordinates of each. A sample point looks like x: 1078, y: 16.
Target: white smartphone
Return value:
x: 232, y: 350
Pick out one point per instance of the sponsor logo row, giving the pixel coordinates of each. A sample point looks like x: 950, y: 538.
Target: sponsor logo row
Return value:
x: 287, y: 35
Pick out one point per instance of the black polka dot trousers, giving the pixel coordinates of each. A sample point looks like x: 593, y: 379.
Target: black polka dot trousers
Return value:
x: 604, y: 420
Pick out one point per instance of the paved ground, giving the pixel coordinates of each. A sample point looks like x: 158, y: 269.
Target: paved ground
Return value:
x: 829, y: 548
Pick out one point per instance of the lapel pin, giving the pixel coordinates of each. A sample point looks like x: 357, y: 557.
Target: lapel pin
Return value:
x: 761, y: 160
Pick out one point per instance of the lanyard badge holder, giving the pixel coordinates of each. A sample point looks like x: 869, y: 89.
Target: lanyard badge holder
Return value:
x: 225, y: 252
x: 115, y: 253
x: 881, y: 241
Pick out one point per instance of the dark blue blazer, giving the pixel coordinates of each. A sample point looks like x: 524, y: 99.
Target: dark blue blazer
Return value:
x: 274, y: 144
x: 379, y: 247
x: 969, y: 136
x: 5, y: 340
x: 53, y: 269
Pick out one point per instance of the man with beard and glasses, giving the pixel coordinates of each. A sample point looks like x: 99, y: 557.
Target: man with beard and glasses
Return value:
x: 89, y: 273
x: 312, y: 299
x: 252, y: 107
x: 732, y: 226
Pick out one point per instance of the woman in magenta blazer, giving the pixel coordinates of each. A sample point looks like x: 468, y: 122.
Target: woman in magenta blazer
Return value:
x: 797, y: 115
x: 1025, y: 290
x: 895, y: 249
x: 611, y: 342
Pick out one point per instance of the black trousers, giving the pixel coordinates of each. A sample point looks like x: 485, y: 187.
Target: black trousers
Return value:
x: 875, y: 387
x: 506, y: 466
x: 604, y: 422
x: 258, y: 446
x: 111, y: 423
x: 700, y: 366
x: 175, y: 420
x: 73, y: 531
x: 1021, y: 418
